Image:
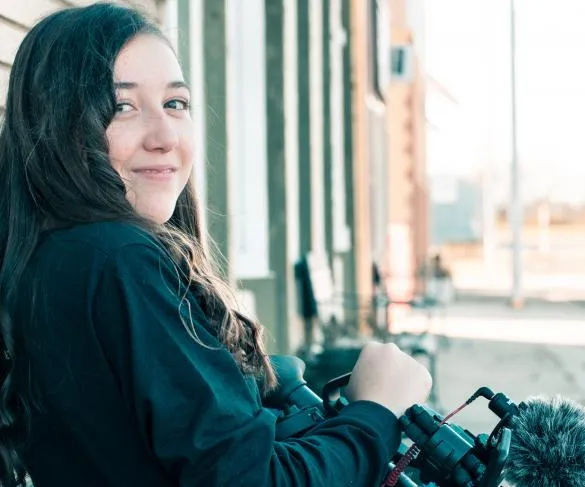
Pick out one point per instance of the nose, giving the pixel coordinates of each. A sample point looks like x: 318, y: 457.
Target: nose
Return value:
x: 161, y: 135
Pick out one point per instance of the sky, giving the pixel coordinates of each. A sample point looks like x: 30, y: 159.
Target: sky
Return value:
x: 468, y: 51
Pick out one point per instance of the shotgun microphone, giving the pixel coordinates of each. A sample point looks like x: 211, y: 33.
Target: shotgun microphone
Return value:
x: 548, y: 444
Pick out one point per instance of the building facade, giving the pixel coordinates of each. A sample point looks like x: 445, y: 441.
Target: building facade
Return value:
x: 310, y: 143
x: 408, y: 231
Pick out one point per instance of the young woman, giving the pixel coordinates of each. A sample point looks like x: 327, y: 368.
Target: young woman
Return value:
x: 123, y: 362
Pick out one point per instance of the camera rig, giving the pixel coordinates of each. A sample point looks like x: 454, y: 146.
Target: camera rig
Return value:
x: 433, y: 451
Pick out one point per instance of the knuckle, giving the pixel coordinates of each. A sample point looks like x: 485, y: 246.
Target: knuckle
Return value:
x: 428, y: 379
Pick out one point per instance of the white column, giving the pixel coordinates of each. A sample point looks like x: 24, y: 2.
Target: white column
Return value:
x: 198, y: 102
x: 291, y: 134
x: 247, y: 147
x: 316, y: 112
x: 291, y: 115
x: 170, y: 25
x: 338, y: 40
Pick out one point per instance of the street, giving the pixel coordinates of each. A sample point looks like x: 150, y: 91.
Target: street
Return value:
x: 534, y: 351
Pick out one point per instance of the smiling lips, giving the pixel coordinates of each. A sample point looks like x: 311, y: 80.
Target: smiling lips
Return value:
x: 156, y: 173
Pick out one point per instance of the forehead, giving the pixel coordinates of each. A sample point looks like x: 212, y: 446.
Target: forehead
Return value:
x: 147, y: 59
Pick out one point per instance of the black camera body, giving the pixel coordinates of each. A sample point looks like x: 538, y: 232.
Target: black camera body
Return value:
x: 450, y: 455
x: 446, y: 454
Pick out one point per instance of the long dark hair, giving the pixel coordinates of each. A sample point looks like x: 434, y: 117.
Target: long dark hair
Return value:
x: 55, y: 172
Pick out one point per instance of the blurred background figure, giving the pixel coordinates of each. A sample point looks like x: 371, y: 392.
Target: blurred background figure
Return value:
x: 438, y: 281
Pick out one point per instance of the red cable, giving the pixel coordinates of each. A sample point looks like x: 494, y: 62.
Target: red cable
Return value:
x: 394, y: 475
x: 450, y: 415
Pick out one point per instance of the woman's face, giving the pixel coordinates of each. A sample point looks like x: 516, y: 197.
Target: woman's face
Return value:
x: 151, y: 136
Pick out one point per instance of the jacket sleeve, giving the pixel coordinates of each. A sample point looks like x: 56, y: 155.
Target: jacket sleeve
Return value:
x: 200, y: 416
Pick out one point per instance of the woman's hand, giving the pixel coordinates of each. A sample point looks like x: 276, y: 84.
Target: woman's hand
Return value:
x: 386, y: 375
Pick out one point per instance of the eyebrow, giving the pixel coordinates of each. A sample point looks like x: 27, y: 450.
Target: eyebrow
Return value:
x: 129, y: 85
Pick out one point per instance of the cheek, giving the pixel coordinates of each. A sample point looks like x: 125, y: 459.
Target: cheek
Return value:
x: 120, y: 147
x: 187, y: 147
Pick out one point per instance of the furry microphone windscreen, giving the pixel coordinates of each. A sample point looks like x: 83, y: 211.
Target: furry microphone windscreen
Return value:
x: 548, y: 444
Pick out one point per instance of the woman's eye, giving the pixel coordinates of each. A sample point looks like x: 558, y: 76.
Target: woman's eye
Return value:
x: 123, y: 107
x: 177, y: 104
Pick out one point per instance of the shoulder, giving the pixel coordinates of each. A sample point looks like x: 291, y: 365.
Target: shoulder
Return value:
x: 102, y: 237
x: 81, y: 253
x: 75, y: 265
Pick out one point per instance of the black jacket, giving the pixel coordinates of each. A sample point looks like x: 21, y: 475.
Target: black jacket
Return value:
x: 129, y: 398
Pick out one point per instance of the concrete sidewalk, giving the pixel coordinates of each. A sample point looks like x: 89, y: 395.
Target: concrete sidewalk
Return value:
x: 539, y: 350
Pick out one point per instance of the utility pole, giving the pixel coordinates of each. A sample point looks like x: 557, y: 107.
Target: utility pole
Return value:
x: 516, y: 218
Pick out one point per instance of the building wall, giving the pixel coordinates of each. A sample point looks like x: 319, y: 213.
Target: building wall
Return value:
x: 408, y: 201
x: 17, y: 17
x: 361, y: 236
x: 420, y: 201
x: 328, y: 152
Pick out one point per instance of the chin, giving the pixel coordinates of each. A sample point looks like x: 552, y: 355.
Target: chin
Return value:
x: 157, y: 215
